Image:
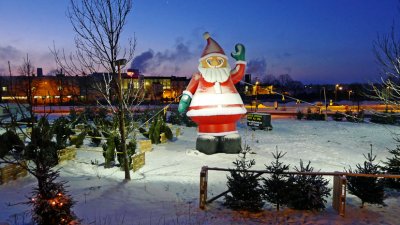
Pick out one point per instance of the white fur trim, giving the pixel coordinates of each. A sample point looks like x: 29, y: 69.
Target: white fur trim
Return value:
x: 241, y: 62
x: 217, y: 111
x: 218, y: 134
x: 188, y: 93
x: 213, y: 54
x: 201, y: 99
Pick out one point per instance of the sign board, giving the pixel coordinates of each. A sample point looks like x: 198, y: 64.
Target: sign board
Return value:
x: 259, y: 121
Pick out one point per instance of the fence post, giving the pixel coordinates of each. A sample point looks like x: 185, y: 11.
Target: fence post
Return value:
x: 203, y: 187
x: 339, y: 194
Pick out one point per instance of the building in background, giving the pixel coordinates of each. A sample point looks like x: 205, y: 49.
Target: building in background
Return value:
x: 67, y: 90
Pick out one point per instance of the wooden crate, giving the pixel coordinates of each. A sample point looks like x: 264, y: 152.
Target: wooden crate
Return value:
x: 145, y: 146
x: 12, y: 172
x: 66, y: 154
x: 138, y: 161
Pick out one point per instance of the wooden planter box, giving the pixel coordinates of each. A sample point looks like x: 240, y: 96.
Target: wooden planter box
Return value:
x: 12, y: 172
x: 138, y: 161
x: 163, y: 139
x: 178, y: 132
x: 21, y: 136
x: 66, y: 154
x: 80, y: 127
x: 145, y: 146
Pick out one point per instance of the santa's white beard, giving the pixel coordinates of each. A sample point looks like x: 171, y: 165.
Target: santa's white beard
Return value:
x: 213, y: 75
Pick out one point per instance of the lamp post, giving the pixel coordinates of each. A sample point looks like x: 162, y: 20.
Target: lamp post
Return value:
x: 387, y: 96
x: 350, y: 94
x: 326, y: 105
x: 121, y: 113
x: 336, y: 87
x: 257, y: 83
x: 44, y: 105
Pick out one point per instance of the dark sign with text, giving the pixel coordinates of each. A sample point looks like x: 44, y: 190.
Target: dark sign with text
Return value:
x: 259, y: 121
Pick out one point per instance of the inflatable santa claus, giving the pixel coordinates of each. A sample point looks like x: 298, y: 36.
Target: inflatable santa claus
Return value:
x: 212, y: 100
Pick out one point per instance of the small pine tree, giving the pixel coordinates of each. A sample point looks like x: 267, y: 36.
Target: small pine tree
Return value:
x: 245, y: 191
x: 78, y: 141
x: 61, y: 129
x: 299, y: 115
x: 157, y: 127
x: 307, y: 192
x: 41, y: 143
x: 392, y: 166
x: 51, y: 203
x: 95, y: 134
x: 10, y: 142
x: 277, y: 185
x: 368, y: 189
x: 109, y: 151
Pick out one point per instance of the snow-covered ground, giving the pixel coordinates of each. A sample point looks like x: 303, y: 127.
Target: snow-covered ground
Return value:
x: 166, y: 189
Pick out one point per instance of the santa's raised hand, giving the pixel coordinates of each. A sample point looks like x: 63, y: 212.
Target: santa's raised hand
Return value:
x: 239, y: 52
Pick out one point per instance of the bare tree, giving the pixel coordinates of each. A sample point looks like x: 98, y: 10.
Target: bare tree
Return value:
x: 98, y: 25
x: 387, y: 53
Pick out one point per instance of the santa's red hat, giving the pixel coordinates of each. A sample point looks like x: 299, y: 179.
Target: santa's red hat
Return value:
x: 212, y: 48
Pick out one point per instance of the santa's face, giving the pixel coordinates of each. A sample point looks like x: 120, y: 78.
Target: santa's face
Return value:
x: 215, y: 69
x: 214, y: 62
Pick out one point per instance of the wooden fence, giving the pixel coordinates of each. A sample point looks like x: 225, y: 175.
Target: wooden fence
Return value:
x: 339, y: 184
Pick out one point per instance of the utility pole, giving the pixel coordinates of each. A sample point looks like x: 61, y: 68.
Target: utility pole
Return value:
x: 9, y: 70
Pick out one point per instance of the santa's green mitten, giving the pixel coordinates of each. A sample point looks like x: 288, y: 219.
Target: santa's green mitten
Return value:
x: 239, y: 52
x: 184, y: 103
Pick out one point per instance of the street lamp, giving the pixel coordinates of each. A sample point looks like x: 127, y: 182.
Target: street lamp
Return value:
x: 326, y: 105
x: 350, y: 94
x: 337, y: 87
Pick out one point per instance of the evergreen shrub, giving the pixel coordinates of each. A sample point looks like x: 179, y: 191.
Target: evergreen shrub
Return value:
x: 368, y: 189
x: 307, y: 192
x: 245, y: 190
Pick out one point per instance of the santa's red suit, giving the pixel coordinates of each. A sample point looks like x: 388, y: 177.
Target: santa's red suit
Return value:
x: 216, y: 105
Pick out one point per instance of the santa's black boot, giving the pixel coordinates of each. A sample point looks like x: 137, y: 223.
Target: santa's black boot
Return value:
x: 231, y: 144
x: 207, y: 144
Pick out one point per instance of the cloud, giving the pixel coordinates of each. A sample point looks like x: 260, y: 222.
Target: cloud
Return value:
x: 284, y: 55
x: 8, y: 53
x: 257, y: 67
x: 142, y: 61
x: 162, y: 63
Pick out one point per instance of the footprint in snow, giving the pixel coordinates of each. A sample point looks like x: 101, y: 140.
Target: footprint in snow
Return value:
x: 193, y: 152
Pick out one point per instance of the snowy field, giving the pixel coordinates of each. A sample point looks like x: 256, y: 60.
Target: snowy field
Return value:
x: 166, y: 189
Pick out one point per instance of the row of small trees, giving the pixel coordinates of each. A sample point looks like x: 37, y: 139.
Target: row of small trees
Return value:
x: 249, y: 191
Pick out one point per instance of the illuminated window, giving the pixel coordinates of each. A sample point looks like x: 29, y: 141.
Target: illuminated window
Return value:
x: 4, y: 88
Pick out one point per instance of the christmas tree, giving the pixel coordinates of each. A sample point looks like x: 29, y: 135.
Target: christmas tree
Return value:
x: 393, y: 167
x: 245, y: 191
x: 277, y: 185
x: 368, y: 189
x: 51, y: 203
x: 307, y: 192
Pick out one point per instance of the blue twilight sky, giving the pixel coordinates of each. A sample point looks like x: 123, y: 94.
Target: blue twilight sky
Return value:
x: 314, y: 41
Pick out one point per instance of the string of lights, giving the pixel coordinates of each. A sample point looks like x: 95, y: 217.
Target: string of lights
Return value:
x: 283, y: 96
